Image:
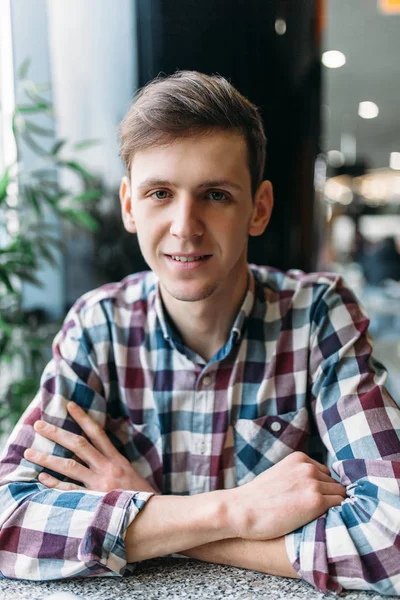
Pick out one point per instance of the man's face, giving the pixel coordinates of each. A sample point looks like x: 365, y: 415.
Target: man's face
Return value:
x: 191, y: 206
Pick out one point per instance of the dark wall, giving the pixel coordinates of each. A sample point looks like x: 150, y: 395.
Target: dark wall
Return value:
x: 279, y: 73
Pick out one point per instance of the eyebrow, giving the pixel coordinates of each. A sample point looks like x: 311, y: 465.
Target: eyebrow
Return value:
x: 205, y: 184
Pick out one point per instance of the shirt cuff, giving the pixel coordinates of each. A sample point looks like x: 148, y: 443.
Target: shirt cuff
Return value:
x: 292, y: 544
x: 306, y: 549
x: 103, y: 543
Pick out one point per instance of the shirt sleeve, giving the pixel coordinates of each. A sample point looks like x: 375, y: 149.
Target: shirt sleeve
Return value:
x: 53, y: 534
x: 355, y: 545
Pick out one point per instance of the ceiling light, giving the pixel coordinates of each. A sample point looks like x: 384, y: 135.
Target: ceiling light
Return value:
x: 335, y: 158
x: 280, y: 26
x: 389, y: 6
x: 333, y: 59
x: 338, y: 189
x: 374, y: 190
x: 378, y: 187
x: 395, y: 160
x: 368, y: 110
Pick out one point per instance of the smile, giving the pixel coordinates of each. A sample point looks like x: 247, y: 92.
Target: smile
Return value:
x: 188, y: 258
x: 188, y: 262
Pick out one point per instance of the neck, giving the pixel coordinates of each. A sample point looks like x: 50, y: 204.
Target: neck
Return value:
x: 205, y: 326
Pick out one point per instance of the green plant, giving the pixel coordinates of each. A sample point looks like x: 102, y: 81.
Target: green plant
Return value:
x: 34, y: 206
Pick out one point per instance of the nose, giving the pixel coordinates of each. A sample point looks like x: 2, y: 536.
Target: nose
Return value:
x: 186, y: 221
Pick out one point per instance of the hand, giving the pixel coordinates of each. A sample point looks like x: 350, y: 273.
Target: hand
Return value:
x: 106, y: 468
x: 290, y: 494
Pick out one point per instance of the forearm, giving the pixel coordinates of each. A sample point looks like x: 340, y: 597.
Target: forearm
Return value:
x: 267, y: 556
x: 198, y: 526
x: 169, y: 524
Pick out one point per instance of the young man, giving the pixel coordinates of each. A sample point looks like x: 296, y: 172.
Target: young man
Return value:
x: 201, y: 400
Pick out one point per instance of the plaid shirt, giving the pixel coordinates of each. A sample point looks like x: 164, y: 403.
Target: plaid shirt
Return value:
x: 295, y: 374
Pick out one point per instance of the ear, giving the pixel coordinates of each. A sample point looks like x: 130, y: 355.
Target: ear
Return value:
x: 126, y: 205
x: 262, y: 209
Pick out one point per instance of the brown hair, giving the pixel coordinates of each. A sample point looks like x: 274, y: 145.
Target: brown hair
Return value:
x: 190, y: 103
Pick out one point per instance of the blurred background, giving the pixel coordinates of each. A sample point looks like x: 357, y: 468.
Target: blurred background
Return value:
x: 325, y: 75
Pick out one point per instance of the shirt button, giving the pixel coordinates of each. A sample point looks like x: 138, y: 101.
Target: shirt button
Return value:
x: 202, y: 447
x: 276, y: 426
x: 207, y: 380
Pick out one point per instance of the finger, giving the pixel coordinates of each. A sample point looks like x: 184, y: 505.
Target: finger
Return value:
x: 331, y: 501
x: 76, y: 443
x: 65, y: 466
x: 95, y: 433
x: 324, y: 477
x: 320, y: 466
x: 333, y: 489
x: 54, y: 483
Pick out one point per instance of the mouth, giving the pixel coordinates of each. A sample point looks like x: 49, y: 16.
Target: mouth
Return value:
x: 188, y: 258
x: 188, y: 261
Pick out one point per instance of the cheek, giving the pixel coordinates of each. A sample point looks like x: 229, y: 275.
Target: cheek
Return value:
x: 149, y: 234
x: 232, y: 231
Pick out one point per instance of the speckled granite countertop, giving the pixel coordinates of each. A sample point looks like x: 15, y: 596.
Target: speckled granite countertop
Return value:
x: 176, y: 578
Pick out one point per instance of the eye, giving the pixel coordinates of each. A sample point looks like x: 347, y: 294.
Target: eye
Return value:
x: 160, y: 195
x: 218, y: 196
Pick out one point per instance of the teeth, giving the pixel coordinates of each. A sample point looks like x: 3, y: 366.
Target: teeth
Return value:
x: 186, y: 258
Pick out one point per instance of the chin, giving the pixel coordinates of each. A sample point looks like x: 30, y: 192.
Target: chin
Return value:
x: 191, y: 295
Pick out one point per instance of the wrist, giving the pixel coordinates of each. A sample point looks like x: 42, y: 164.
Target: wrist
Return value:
x: 240, y: 513
x: 231, y: 514
x: 170, y: 524
x: 222, y: 508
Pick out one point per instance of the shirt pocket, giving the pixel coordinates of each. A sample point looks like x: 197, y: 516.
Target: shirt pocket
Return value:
x: 263, y: 442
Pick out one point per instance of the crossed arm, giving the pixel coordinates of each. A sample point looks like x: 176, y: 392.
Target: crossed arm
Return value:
x: 243, y: 527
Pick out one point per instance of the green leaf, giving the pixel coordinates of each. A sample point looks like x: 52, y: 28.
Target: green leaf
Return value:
x: 4, y: 341
x: 56, y: 243
x: 60, y: 195
x: 89, y: 195
x: 54, y: 199
x: 30, y: 109
x: 7, y: 358
x: 27, y: 276
x: 24, y: 68
x: 41, y: 87
x: 33, y: 95
x: 4, y: 185
x: 18, y: 263
x: 19, y: 395
x: 32, y: 144
x: 42, y: 173
x: 45, y: 252
x: 55, y: 149
x: 39, y: 130
x: 49, y: 199
x: 6, y: 327
x: 51, y: 185
x: 86, y: 144
x: 6, y: 280
x: 82, y: 218
x: 33, y: 199
x: 78, y: 169
x: 35, y: 344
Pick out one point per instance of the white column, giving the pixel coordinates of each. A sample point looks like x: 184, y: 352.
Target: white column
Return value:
x: 93, y: 56
x: 87, y: 50
x: 94, y: 73
x: 30, y: 40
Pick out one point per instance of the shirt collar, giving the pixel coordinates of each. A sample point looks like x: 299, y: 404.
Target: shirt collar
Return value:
x: 160, y: 311
x: 245, y: 309
x: 241, y: 318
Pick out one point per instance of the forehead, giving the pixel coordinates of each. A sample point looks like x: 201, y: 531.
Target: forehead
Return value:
x: 207, y: 156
